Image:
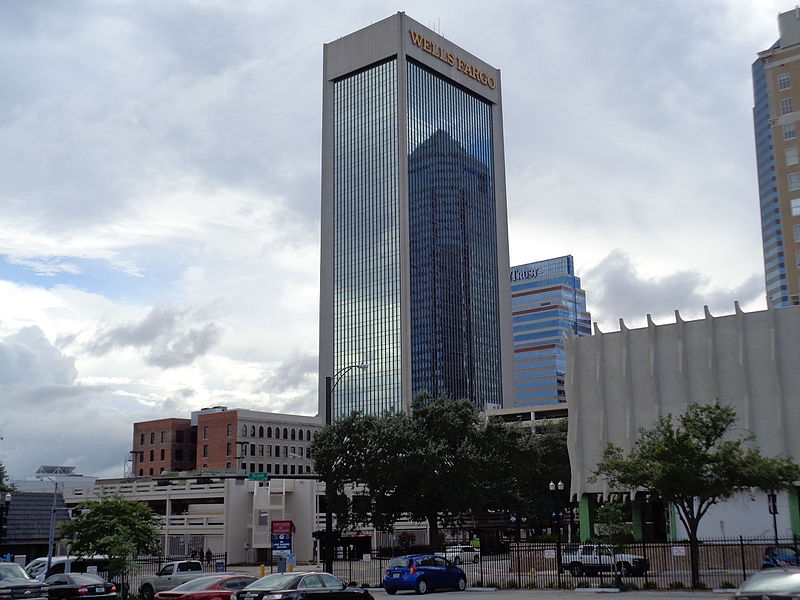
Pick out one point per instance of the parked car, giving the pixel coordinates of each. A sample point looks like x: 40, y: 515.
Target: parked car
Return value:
x: 771, y: 583
x: 780, y: 556
x: 462, y: 554
x: 37, y: 568
x: 219, y: 586
x: 70, y: 586
x: 170, y: 576
x: 422, y: 573
x: 301, y: 585
x: 592, y: 559
x: 16, y: 583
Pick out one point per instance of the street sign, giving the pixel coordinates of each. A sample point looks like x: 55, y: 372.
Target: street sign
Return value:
x: 281, y: 541
x: 258, y: 477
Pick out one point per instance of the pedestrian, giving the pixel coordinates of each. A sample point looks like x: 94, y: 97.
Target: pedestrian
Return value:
x: 194, y: 553
x: 209, y: 556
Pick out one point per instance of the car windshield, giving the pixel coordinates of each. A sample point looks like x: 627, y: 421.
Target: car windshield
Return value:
x: 86, y: 578
x: 400, y: 562
x: 200, y: 583
x: 276, y: 581
x: 12, y: 570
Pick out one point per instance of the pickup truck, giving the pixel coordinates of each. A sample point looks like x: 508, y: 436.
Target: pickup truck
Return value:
x: 16, y: 583
x: 171, y: 575
x: 592, y: 559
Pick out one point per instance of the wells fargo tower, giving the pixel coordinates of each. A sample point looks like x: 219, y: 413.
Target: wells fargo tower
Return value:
x: 414, y: 225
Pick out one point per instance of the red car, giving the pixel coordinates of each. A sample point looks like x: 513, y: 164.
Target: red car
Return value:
x: 219, y: 586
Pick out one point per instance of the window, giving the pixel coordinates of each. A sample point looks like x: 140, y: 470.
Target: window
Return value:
x: 178, y: 454
x: 269, y: 451
x: 789, y: 132
x: 293, y: 434
x: 252, y: 449
x: 260, y: 468
x: 252, y: 467
x: 205, y: 450
x: 300, y: 452
x: 285, y: 451
x: 152, y: 437
x: 244, y: 449
x: 261, y: 449
x: 308, y: 434
x: 277, y: 433
x: 141, y: 472
x: 277, y: 468
x: 797, y: 258
x: 162, y: 454
x: 244, y: 430
x: 269, y: 432
x: 261, y: 431
x: 308, y: 469
x: 285, y: 433
x: 141, y: 439
x: 308, y: 453
x: 163, y: 436
x: 205, y: 432
x: 269, y: 468
x: 227, y: 465
x: 786, y: 106
x: 791, y: 156
x: 794, y: 181
x: 784, y: 83
x: 179, y: 437
x: 152, y: 455
x: 285, y: 469
x: 228, y: 449
x: 229, y: 430
x: 300, y: 435
x: 293, y: 450
x: 277, y: 451
x: 252, y: 431
x: 292, y: 469
x: 796, y: 207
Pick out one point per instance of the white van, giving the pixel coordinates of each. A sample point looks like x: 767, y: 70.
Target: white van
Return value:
x: 37, y: 568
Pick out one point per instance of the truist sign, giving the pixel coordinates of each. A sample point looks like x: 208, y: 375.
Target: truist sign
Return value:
x: 451, y: 59
x: 529, y: 274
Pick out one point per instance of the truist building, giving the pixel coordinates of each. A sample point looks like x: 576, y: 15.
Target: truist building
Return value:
x: 414, y: 227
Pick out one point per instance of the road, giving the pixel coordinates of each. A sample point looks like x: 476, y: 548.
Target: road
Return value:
x: 484, y: 594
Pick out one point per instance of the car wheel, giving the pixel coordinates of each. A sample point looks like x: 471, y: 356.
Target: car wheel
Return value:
x: 390, y: 591
x: 421, y: 587
x: 625, y: 568
x: 462, y: 584
x: 576, y: 569
x: 456, y: 560
x: 147, y: 592
x: 476, y: 558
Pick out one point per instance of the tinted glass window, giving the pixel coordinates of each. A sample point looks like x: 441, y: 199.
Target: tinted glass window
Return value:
x: 400, y: 562
x: 276, y: 581
x: 311, y: 581
x: 237, y: 583
x: 200, y: 583
x: 332, y: 582
x: 86, y: 579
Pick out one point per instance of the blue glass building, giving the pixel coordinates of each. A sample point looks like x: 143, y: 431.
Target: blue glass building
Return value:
x: 414, y: 227
x: 547, y: 304
x: 776, y: 81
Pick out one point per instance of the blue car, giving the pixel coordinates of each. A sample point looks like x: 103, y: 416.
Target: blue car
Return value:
x: 780, y: 556
x: 422, y: 573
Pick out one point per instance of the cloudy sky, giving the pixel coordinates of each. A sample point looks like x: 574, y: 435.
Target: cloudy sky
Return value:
x: 159, y: 189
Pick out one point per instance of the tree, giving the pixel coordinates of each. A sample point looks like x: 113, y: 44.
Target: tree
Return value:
x: 4, y: 485
x: 694, y: 462
x: 439, y: 463
x: 121, y: 529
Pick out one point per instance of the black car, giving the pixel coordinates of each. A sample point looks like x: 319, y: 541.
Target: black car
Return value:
x: 307, y: 585
x: 69, y: 586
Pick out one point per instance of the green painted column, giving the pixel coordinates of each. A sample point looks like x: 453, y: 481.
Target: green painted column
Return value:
x: 794, y: 510
x: 637, y: 518
x: 587, y: 507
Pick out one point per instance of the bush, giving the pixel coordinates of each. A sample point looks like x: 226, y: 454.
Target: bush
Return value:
x: 511, y: 584
x: 676, y: 585
x: 629, y: 587
x: 700, y: 586
x: 728, y: 585
x: 649, y: 585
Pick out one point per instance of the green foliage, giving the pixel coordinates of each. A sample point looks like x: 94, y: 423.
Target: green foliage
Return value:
x: 118, y: 528
x: 693, y: 462
x: 676, y: 585
x: 4, y: 485
x: 612, y: 523
x: 649, y: 585
x: 728, y: 585
x: 512, y: 584
x: 440, y: 462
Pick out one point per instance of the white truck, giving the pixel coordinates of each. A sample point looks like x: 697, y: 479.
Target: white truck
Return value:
x: 593, y: 559
x: 171, y: 575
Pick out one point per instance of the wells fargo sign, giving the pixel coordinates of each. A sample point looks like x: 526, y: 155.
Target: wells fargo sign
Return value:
x: 451, y: 59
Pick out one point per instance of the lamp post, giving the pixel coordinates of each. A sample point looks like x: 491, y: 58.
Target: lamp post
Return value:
x: 52, y: 535
x: 4, y: 506
x: 330, y: 385
x: 772, y: 500
x: 556, y: 516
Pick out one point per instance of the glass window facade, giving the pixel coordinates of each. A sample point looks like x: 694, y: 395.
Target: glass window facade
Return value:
x: 547, y: 303
x: 366, y: 315
x: 455, y: 329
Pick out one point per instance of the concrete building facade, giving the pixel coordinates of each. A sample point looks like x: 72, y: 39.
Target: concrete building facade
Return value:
x: 621, y: 381
x: 414, y: 224
x: 776, y: 117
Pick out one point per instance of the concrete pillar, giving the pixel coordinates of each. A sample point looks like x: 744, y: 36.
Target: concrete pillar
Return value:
x: 587, y: 507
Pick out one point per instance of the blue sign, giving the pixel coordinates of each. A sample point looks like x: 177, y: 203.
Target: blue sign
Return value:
x: 281, y: 541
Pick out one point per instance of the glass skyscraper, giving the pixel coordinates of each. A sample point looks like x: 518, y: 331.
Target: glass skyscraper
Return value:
x: 547, y: 304
x: 776, y: 81
x: 414, y: 228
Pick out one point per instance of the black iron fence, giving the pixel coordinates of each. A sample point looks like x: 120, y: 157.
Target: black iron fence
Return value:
x: 147, y: 566
x: 723, y: 563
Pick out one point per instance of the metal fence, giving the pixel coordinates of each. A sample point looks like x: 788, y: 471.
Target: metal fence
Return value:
x: 147, y: 566
x: 723, y: 563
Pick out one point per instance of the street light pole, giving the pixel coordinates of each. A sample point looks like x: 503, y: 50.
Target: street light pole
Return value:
x: 330, y: 385
x: 556, y: 517
x: 51, y: 537
x: 772, y: 500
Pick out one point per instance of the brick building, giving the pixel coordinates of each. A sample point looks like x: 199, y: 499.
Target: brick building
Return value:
x: 163, y: 445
